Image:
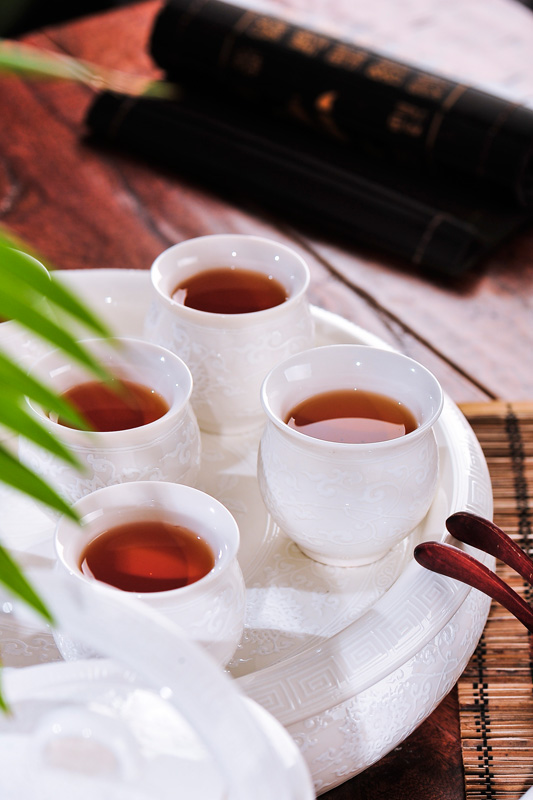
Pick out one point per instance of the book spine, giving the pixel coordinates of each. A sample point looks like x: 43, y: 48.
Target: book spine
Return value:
x: 358, y: 97
x: 259, y: 163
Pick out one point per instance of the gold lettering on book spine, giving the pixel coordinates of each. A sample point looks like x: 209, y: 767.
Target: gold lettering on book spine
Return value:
x: 387, y: 72
x: 311, y: 44
x: 340, y: 55
x: 229, y: 41
x: 407, y: 119
x: 268, y: 29
x: 428, y: 86
x: 325, y: 107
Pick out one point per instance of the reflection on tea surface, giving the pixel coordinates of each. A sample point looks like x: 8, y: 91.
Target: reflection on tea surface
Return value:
x: 351, y: 416
x: 147, y: 556
x: 116, y: 406
x: 230, y: 290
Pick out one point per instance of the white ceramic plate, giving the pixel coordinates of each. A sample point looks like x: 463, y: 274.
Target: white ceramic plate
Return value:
x: 349, y: 660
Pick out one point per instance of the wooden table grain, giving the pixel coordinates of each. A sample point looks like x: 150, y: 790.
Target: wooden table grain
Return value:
x: 85, y: 207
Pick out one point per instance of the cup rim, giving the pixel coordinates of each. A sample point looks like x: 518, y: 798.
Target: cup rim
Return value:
x: 327, y: 444
x: 105, y: 436
x: 209, y: 317
x: 65, y: 527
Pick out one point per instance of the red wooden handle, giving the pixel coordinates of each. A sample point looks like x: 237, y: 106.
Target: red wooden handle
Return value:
x: 454, y: 563
x: 485, y: 535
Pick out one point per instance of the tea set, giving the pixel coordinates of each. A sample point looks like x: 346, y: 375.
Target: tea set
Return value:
x: 342, y: 503
x: 226, y: 373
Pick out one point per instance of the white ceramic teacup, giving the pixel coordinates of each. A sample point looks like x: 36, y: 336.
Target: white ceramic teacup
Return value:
x: 230, y: 354
x: 348, y: 503
x: 210, y: 610
x: 167, y: 448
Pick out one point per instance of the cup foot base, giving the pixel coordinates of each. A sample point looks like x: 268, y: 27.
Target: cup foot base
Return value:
x: 342, y: 562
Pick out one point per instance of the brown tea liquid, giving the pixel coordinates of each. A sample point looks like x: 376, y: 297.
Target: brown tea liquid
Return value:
x: 147, y: 556
x: 228, y: 290
x: 351, y: 415
x: 117, y: 406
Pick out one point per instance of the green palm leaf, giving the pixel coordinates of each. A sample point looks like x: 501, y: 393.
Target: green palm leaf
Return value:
x: 3, y: 705
x: 25, y: 272
x: 13, y: 579
x: 33, y: 62
x: 18, y: 419
x: 25, y: 385
x: 34, y: 299
x: 23, y: 286
x: 15, y: 474
x: 21, y: 306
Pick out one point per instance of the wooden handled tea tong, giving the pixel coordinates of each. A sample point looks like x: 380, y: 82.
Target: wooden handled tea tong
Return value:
x: 486, y: 536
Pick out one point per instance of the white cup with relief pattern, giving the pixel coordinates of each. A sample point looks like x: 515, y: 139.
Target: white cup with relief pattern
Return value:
x: 167, y: 448
x: 348, y: 502
x: 230, y: 352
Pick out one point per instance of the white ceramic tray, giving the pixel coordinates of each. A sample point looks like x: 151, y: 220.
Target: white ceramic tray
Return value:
x: 350, y: 660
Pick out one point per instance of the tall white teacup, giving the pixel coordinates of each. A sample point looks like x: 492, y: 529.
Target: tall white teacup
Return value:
x: 348, y: 503
x: 229, y: 354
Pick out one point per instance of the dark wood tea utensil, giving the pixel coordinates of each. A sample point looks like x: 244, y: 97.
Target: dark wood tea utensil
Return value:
x: 452, y: 562
x: 486, y: 536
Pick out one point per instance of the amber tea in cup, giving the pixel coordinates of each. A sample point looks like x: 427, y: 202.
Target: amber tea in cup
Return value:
x: 230, y: 290
x: 114, y: 406
x: 147, y: 556
x: 351, y: 415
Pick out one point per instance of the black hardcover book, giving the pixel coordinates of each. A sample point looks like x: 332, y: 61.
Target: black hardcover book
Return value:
x: 443, y: 227
x: 360, y: 99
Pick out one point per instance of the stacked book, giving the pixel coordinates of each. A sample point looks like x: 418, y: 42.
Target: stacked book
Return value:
x: 331, y: 136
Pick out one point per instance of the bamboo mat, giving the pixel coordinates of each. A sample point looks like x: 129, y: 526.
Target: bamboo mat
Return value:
x: 496, y: 689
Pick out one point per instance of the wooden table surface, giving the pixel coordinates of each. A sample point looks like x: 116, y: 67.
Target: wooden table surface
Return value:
x: 81, y: 207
